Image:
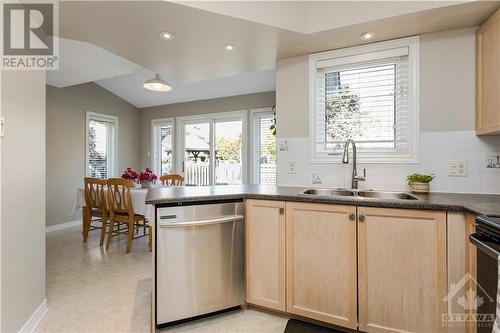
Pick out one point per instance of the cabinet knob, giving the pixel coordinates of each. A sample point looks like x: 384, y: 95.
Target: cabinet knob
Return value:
x: 282, y: 211
x: 361, y: 218
x: 352, y: 217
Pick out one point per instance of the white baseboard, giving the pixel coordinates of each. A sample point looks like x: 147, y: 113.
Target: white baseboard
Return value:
x: 61, y: 226
x: 31, y: 324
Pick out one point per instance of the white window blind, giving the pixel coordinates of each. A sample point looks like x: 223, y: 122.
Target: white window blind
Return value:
x: 265, y: 149
x: 163, y: 132
x: 368, y: 97
x: 101, y: 143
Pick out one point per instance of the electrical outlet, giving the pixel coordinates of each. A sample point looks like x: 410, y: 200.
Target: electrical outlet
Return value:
x: 291, y: 167
x: 457, y: 168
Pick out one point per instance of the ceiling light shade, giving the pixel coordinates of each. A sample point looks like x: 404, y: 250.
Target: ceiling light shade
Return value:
x: 157, y: 84
x: 367, y: 35
x: 166, y: 35
x: 229, y: 47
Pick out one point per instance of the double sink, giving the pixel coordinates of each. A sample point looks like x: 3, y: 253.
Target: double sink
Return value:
x: 324, y: 192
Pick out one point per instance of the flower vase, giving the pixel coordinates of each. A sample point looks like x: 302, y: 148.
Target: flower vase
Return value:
x: 146, y: 184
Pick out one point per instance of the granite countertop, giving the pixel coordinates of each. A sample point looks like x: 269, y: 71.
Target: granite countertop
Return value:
x: 473, y: 203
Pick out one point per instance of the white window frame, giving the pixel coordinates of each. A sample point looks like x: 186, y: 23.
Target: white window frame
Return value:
x: 254, y: 134
x: 89, y: 115
x: 155, y: 145
x: 365, y: 53
x: 212, y: 118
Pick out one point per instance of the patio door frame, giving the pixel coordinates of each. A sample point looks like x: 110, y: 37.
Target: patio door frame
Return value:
x: 212, y: 119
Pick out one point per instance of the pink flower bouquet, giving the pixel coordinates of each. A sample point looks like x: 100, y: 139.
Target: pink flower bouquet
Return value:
x: 146, y: 177
x: 131, y: 174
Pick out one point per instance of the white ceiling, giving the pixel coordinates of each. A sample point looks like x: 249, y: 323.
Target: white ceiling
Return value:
x: 129, y: 87
x: 195, y: 62
x: 81, y: 62
x: 314, y: 16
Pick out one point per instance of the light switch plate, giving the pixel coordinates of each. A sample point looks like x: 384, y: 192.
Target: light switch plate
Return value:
x: 457, y: 168
x: 291, y: 167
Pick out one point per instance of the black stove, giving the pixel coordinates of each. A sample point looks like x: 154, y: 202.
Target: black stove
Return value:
x: 487, y: 241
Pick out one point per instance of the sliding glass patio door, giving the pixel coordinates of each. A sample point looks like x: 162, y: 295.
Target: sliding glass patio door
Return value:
x: 213, y: 150
x: 229, y: 152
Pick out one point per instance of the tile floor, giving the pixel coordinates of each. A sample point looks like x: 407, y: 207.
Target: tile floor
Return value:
x: 91, y: 290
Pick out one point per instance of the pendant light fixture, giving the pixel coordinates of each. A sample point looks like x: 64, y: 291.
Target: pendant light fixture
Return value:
x: 157, y: 84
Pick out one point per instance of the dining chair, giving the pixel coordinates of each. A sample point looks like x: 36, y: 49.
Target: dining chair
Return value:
x: 172, y: 180
x: 95, y: 209
x: 122, y: 212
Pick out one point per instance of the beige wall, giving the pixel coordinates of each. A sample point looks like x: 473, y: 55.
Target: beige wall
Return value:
x: 447, y: 80
x: 292, y: 96
x: 233, y: 103
x: 66, y: 112
x: 22, y: 197
x: 447, y: 83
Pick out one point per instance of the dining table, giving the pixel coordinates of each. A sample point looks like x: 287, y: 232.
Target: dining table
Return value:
x: 137, y: 194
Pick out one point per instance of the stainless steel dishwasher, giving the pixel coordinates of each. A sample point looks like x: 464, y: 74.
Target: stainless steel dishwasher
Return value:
x: 199, y: 260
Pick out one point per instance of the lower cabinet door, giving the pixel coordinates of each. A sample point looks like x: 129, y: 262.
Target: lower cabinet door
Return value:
x: 265, y: 253
x: 402, y: 270
x: 321, y: 262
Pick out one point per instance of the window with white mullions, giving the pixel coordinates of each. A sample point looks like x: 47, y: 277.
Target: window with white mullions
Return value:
x: 368, y: 94
x: 264, y: 152
x: 101, y: 145
x: 162, y: 143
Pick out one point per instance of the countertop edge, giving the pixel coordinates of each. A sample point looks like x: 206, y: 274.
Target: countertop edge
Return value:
x: 381, y: 203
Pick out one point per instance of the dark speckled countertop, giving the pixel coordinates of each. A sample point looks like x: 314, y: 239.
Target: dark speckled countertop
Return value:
x: 472, y: 203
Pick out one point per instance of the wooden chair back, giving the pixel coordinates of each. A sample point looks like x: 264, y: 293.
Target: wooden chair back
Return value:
x: 172, y: 180
x: 94, y: 193
x: 119, y: 197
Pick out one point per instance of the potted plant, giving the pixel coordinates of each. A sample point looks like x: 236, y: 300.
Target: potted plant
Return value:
x: 419, y: 182
x: 146, y: 177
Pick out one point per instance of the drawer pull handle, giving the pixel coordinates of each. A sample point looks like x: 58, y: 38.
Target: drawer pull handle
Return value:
x: 362, y: 218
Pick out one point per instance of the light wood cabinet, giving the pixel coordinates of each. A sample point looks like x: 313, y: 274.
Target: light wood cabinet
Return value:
x: 461, y: 262
x: 401, y: 270
x: 488, y: 76
x: 321, y: 262
x: 265, y: 253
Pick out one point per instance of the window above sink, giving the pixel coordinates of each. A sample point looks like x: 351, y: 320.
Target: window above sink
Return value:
x: 367, y: 93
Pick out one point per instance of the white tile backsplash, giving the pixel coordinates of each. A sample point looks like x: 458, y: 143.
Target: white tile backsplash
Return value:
x: 436, y: 149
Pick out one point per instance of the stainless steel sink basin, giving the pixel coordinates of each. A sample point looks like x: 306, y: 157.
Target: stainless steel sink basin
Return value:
x: 386, y: 195
x: 328, y: 192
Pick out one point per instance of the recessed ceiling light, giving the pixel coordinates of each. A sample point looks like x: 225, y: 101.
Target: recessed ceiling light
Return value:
x: 166, y: 35
x: 367, y: 35
x: 229, y: 47
x: 157, y: 84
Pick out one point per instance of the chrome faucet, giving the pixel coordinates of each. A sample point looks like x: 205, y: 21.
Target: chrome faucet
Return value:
x: 345, y: 159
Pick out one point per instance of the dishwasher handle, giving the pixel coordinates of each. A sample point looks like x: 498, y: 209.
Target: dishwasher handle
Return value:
x: 475, y: 239
x: 201, y: 222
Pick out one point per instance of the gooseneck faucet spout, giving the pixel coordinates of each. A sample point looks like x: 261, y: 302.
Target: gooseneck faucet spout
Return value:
x: 345, y: 159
